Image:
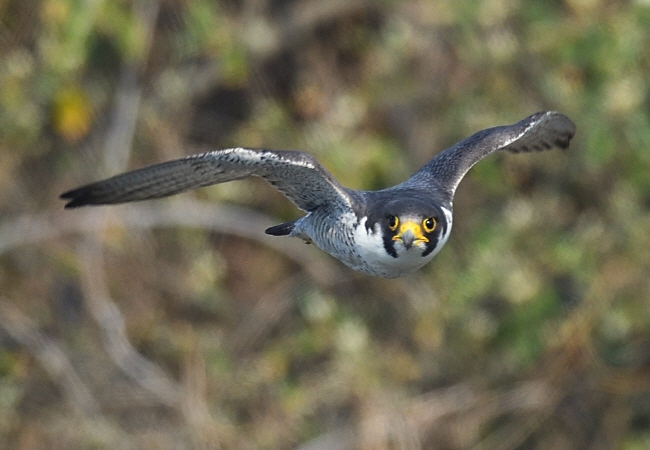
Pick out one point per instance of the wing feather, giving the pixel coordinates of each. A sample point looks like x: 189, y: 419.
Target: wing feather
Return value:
x: 538, y: 132
x: 297, y: 175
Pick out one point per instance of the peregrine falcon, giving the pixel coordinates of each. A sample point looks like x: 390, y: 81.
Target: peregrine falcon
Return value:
x: 387, y: 233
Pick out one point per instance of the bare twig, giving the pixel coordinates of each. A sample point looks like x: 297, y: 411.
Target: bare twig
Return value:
x: 52, y: 358
x: 301, y: 18
x: 237, y: 221
x: 188, y: 399
x: 573, y: 349
x: 467, y: 405
x: 209, y: 432
x: 268, y: 310
x: 107, y: 315
x: 124, y: 116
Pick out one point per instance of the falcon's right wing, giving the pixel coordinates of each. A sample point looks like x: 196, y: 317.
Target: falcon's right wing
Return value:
x: 296, y: 174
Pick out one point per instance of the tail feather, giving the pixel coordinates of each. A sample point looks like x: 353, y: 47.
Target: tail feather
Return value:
x: 283, y: 229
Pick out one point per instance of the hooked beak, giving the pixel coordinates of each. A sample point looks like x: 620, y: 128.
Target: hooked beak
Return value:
x: 410, y: 233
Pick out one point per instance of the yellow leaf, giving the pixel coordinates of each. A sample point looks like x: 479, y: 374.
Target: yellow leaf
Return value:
x: 71, y: 114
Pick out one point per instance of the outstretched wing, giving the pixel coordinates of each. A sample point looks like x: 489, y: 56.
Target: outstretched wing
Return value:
x: 539, y: 132
x: 297, y: 175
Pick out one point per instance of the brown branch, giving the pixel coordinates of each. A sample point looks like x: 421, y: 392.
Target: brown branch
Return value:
x: 232, y: 220
x: 124, y: 115
x: 107, y: 315
x: 51, y: 357
x: 267, y: 312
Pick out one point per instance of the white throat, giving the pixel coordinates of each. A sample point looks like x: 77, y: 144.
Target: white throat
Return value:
x: 370, y: 246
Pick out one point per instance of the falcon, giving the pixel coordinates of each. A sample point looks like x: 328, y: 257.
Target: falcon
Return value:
x: 386, y: 233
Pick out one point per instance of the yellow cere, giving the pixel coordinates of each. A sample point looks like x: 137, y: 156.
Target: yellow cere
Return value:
x: 415, y: 228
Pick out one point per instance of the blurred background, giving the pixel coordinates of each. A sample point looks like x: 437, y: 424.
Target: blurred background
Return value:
x: 177, y: 324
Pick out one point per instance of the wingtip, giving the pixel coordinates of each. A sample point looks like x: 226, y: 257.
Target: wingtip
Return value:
x: 75, y: 198
x: 67, y: 197
x: 563, y: 125
x: 73, y: 204
x: 569, y: 130
x: 563, y: 142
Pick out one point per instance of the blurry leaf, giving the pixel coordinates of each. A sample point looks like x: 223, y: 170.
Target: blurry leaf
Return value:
x: 71, y: 114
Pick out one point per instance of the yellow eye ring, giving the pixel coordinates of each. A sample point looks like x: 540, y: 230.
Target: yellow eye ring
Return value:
x: 429, y: 224
x: 393, y: 222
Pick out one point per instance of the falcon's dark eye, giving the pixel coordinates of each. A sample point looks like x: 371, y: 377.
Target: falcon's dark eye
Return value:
x: 429, y: 224
x: 393, y: 222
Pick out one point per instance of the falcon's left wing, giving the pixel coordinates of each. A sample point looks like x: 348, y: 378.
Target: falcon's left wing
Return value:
x: 538, y: 132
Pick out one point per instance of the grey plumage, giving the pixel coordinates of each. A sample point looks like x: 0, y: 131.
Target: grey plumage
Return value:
x: 297, y: 175
x: 353, y: 226
x: 538, y: 132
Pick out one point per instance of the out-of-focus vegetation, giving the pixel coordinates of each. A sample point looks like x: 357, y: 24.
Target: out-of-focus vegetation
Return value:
x: 178, y: 324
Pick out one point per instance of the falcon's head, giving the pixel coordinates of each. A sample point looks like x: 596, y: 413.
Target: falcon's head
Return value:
x: 411, y: 226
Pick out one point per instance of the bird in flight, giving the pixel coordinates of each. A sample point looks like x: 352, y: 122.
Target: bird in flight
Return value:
x: 386, y: 233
